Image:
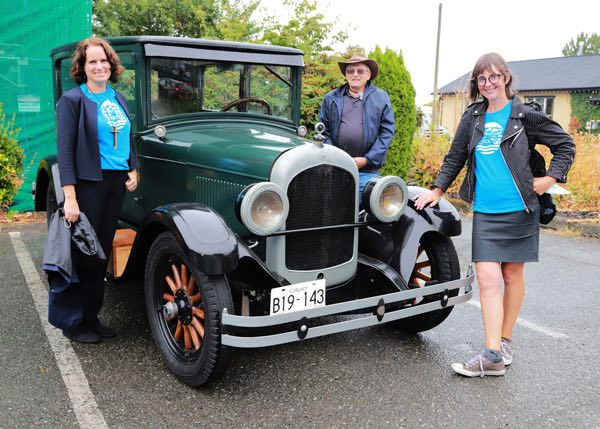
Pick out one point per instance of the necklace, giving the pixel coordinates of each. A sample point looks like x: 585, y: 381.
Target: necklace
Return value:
x: 355, y: 94
x: 114, y: 130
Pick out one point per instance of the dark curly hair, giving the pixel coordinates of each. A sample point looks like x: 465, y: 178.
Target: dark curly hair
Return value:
x: 79, y: 57
x: 486, y: 62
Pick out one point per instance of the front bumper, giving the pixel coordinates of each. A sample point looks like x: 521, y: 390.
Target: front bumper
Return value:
x: 374, y: 305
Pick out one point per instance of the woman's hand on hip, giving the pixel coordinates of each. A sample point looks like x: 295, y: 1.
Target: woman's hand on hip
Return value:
x: 132, y: 181
x: 360, y: 162
x: 542, y: 184
x: 428, y: 198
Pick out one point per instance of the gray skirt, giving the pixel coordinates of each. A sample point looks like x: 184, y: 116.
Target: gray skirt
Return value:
x: 506, y: 237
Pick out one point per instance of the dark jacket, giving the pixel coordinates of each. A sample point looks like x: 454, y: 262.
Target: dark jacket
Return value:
x: 526, y: 126
x: 65, y: 243
x: 378, y: 122
x: 77, y: 137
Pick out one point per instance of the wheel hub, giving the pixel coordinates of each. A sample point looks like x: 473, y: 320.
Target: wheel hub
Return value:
x: 184, y: 307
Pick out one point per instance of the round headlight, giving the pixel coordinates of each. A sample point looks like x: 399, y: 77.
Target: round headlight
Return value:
x: 387, y: 197
x: 264, y: 208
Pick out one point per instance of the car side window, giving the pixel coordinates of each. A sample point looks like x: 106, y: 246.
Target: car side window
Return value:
x: 66, y: 83
x: 126, y: 85
x: 175, y: 87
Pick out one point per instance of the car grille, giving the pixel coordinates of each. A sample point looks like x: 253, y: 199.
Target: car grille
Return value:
x: 320, y: 196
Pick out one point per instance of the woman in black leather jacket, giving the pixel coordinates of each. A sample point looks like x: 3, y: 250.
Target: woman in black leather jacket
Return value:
x: 494, y: 138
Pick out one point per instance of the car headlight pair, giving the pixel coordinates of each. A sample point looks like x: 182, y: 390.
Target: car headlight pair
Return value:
x: 263, y: 208
x: 385, y: 197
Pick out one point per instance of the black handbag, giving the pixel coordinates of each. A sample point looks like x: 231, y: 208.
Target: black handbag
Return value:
x: 538, y: 168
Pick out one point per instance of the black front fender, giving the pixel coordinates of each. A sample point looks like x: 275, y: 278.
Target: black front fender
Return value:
x: 209, y: 244
x: 43, y: 178
x: 397, y: 243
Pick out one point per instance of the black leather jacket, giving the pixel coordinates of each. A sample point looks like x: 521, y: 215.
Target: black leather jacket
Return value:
x: 526, y: 127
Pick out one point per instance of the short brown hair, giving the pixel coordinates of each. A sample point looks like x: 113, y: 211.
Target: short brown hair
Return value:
x: 79, y: 57
x: 486, y: 62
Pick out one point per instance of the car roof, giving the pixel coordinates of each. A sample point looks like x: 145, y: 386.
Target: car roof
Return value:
x: 183, y: 47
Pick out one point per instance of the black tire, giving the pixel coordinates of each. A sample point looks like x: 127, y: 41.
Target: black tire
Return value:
x: 51, y: 203
x: 192, y: 365
x: 438, y: 255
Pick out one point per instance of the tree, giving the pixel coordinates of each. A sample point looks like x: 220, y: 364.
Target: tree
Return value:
x: 591, y: 45
x: 216, y: 19
x: 307, y: 30
x: 321, y: 74
x: 395, y: 79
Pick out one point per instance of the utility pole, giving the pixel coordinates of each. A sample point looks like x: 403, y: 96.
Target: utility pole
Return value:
x: 434, y: 112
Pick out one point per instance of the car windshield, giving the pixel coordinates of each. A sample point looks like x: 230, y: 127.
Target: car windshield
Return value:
x: 191, y: 86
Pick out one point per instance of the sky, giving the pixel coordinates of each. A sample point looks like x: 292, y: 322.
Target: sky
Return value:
x: 516, y: 29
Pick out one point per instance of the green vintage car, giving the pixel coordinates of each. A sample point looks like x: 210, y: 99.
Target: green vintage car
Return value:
x: 246, y: 233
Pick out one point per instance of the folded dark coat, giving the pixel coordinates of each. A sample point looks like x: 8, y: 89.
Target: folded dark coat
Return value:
x: 65, y: 243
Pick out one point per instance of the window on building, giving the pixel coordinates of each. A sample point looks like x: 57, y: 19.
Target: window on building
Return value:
x: 546, y: 103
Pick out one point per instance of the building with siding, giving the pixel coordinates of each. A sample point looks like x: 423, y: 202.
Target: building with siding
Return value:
x: 565, y: 87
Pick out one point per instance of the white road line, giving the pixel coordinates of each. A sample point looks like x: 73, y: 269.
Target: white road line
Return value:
x: 84, y: 404
x: 528, y: 324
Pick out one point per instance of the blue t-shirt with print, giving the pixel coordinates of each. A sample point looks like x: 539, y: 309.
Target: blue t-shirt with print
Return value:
x: 111, y: 117
x: 495, y: 188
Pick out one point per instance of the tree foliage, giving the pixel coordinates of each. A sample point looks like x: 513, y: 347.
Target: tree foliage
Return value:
x: 216, y: 19
x: 307, y: 30
x: 11, y: 160
x: 321, y: 75
x: 591, y: 45
x: 582, y: 111
x: 395, y: 79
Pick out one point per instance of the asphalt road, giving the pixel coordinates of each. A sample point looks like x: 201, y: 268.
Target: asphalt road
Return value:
x: 374, y: 377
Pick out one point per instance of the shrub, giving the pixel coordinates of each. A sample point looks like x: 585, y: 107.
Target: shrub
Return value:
x: 395, y: 79
x: 429, y: 154
x: 583, y: 178
x: 321, y: 75
x: 11, y: 160
x: 583, y: 110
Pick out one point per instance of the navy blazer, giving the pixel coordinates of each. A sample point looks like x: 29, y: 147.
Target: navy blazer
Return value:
x: 77, y: 137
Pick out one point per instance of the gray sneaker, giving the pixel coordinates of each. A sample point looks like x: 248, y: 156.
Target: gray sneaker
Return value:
x: 508, y: 350
x: 479, y: 366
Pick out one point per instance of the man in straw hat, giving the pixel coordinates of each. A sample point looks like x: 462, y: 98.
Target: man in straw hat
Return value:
x: 358, y: 117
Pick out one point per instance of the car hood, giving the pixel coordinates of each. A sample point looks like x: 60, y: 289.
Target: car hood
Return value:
x: 238, y: 148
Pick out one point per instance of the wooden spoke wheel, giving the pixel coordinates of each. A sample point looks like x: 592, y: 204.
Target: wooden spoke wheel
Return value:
x: 422, y: 271
x: 184, y: 309
x: 436, y: 260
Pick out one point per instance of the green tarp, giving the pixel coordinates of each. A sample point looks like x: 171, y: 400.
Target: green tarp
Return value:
x: 29, y: 30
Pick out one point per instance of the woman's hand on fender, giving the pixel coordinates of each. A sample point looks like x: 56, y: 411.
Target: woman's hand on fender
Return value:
x: 542, y: 184
x: 428, y: 198
x: 132, y: 181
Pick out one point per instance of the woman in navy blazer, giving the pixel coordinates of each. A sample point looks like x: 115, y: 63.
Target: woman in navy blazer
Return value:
x: 97, y: 163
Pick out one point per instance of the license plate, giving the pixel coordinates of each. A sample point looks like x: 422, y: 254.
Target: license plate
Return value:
x: 299, y: 296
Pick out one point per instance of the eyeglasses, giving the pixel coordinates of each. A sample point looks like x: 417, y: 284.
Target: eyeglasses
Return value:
x: 493, y: 79
x: 360, y: 72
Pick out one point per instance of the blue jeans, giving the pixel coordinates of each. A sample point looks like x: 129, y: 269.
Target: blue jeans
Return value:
x: 363, y: 180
